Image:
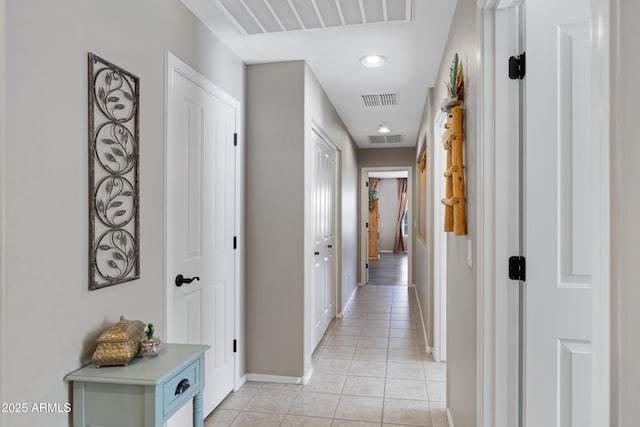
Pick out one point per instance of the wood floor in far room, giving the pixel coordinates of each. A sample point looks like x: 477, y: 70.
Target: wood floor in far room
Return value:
x: 389, y: 269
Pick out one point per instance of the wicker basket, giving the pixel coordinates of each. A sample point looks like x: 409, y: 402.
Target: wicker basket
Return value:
x: 118, y: 344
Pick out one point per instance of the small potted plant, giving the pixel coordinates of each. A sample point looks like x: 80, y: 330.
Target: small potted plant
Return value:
x: 150, y: 346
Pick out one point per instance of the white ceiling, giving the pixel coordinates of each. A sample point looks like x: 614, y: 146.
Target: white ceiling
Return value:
x: 411, y: 35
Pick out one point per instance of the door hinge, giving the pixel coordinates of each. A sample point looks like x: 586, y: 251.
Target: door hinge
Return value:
x: 235, y: 139
x: 517, y: 268
x: 366, y: 184
x: 235, y: 346
x: 517, y: 66
x: 235, y: 242
x: 367, y: 226
x: 367, y: 265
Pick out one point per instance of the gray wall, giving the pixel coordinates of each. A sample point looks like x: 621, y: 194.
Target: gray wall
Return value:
x: 423, y: 258
x: 372, y: 157
x: 50, y: 319
x: 461, y: 283
x: 3, y: 129
x: 275, y: 218
x: 625, y: 211
x: 284, y: 99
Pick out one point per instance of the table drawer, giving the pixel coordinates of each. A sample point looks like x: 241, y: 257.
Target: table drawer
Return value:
x: 181, y: 387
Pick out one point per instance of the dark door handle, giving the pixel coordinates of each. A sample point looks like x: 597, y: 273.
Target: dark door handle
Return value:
x: 180, y: 279
x: 316, y: 253
x: 182, y: 386
x: 330, y: 246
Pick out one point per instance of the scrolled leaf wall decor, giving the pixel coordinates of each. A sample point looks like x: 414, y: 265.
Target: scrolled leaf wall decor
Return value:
x: 114, y: 238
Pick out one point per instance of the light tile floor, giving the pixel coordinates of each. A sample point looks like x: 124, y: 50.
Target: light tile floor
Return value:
x: 370, y: 369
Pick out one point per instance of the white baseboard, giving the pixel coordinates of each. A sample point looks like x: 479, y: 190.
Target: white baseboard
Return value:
x: 449, y: 419
x: 349, y: 302
x: 428, y: 348
x: 261, y: 378
x: 360, y: 284
x: 241, y: 381
x: 307, y: 376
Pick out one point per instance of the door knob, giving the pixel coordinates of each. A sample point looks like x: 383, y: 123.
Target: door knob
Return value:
x: 330, y: 246
x: 180, y: 279
x: 316, y: 253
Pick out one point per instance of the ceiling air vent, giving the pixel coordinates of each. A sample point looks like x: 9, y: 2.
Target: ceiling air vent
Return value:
x: 389, y: 139
x: 394, y: 138
x: 273, y: 16
x: 380, y: 100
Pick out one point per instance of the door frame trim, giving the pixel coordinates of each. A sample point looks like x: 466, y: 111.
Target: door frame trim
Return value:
x: 308, y: 185
x: 364, y: 209
x: 440, y: 243
x: 601, y: 203
x: 175, y: 64
x: 495, y: 380
x: 337, y: 202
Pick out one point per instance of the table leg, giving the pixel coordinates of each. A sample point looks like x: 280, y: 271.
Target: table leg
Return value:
x: 79, y: 403
x: 197, y: 410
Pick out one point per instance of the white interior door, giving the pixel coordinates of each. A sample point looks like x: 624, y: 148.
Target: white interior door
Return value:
x: 200, y: 229
x: 558, y: 223
x: 366, y: 217
x: 324, y: 175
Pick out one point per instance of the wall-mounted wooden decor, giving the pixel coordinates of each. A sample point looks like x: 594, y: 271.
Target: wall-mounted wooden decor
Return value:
x: 114, y: 239
x: 455, y: 216
x: 374, y: 243
x: 422, y: 197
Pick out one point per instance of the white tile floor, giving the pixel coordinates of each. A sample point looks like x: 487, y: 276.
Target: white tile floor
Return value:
x: 370, y: 369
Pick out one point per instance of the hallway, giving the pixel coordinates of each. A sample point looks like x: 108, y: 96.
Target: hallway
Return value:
x: 370, y: 369
x: 549, y: 161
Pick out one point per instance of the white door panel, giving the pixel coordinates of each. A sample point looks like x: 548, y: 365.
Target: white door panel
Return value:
x: 200, y: 231
x: 558, y: 222
x: 324, y: 175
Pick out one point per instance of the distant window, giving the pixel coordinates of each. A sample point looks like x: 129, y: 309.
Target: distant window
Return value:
x: 405, y: 223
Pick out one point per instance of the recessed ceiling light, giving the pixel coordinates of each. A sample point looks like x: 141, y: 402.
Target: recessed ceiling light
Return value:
x: 384, y: 129
x: 373, y: 61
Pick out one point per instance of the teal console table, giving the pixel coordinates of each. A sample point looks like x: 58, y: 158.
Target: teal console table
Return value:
x: 145, y: 393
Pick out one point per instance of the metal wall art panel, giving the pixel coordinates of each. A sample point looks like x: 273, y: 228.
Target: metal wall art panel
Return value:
x: 114, y: 239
